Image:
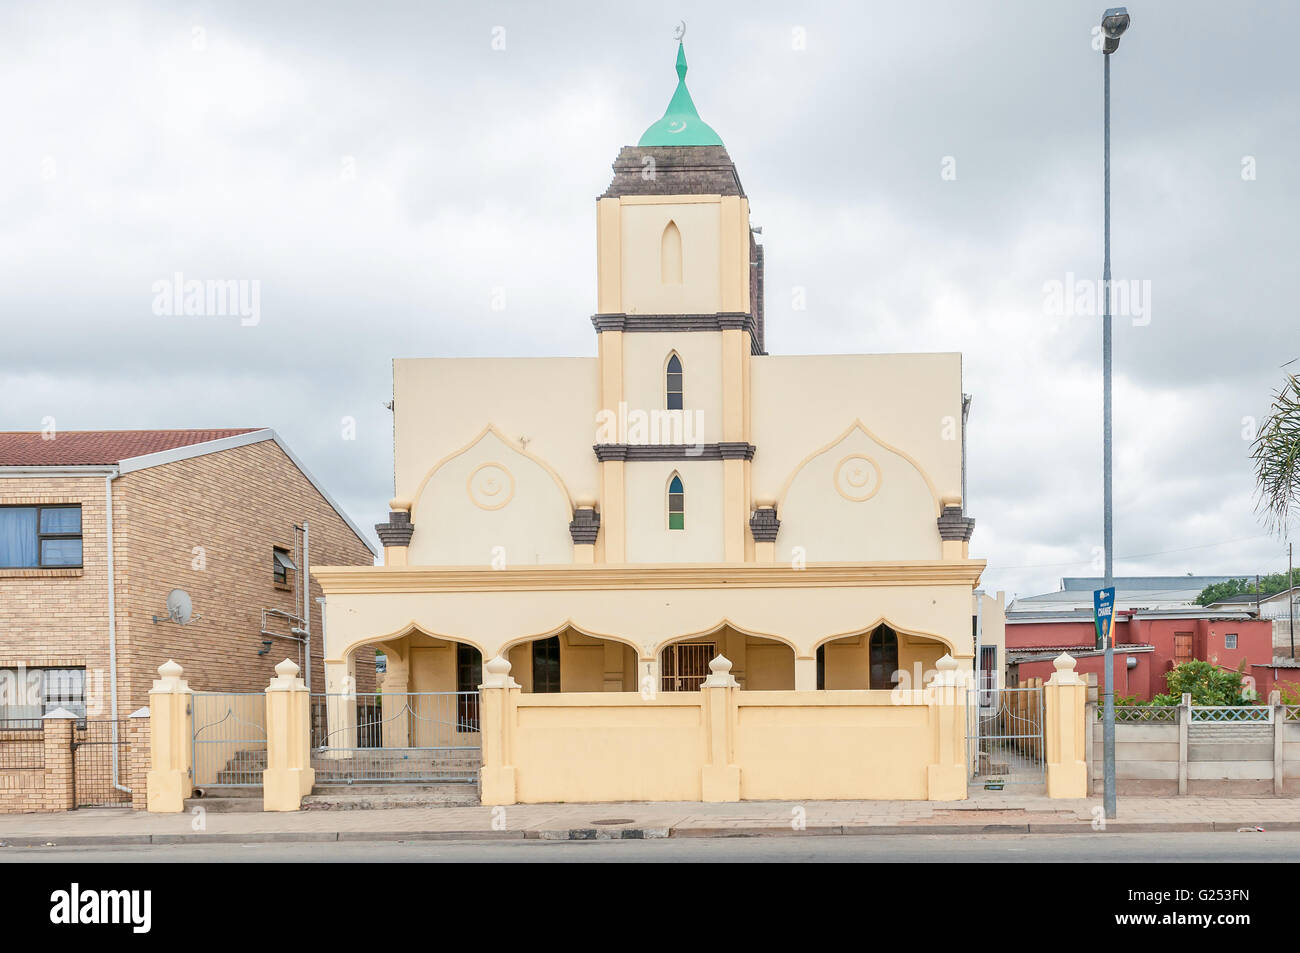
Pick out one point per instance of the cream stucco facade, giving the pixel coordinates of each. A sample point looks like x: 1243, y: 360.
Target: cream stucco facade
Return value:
x: 610, y: 523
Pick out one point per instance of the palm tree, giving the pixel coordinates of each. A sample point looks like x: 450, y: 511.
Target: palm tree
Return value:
x: 1276, y: 451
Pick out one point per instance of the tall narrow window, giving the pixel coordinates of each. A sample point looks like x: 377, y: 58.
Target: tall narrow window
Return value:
x: 546, y: 664
x: 670, y: 255
x: 673, y: 383
x: 884, y: 658
x: 676, y: 503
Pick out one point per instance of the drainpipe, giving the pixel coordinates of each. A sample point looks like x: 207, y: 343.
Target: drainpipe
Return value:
x: 112, y: 623
x: 306, y: 600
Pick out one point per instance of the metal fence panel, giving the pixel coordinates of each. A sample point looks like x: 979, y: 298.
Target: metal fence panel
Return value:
x: 22, y: 744
x: 229, y: 739
x: 396, y: 737
x: 97, y: 746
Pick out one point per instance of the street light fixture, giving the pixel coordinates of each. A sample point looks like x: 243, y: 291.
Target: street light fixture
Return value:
x: 1113, y: 24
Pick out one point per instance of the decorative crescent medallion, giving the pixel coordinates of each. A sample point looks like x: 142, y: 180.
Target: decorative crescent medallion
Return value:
x: 857, y: 478
x: 490, y: 486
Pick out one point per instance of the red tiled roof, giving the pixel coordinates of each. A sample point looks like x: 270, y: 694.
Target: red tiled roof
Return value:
x: 97, y: 447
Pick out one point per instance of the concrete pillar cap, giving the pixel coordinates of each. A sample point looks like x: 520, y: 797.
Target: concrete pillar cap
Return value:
x: 170, y: 669
x: 946, y: 664
x: 1064, y: 662
x: 287, y: 669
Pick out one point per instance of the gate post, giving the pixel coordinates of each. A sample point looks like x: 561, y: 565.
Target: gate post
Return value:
x: 946, y: 696
x: 171, y: 740
x: 1065, y: 697
x: 497, y: 697
x: 288, y: 775
x: 58, y: 729
x: 720, y: 778
x: 137, y: 739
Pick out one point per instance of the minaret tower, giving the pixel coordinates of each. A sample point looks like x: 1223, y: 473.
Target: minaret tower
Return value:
x: 679, y: 315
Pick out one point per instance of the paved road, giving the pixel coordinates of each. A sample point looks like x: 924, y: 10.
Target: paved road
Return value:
x: 1005, y: 848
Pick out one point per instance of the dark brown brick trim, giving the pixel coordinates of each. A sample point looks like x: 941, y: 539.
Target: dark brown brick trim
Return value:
x: 734, y: 450
x: 952, y: 525
x: 397, y: 531
x: 677, y: 170
x: 584, y: 526
x: 764, y: 525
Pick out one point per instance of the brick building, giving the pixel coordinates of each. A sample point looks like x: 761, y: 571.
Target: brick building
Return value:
x: 97, y: 528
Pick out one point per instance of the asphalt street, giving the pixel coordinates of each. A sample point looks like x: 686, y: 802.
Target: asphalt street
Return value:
x: 1279, y: 847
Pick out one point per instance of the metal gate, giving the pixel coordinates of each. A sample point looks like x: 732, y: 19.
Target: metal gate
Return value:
x: 396, y: 737
x: 685, y: 665
x: 229, y: 748
x: 1004, y: 737
x: 98, y: 746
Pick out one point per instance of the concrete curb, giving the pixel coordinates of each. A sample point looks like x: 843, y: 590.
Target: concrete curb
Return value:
x: 632, y: 833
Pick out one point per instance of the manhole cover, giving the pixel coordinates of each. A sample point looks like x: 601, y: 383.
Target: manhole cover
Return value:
x: 612, y: 821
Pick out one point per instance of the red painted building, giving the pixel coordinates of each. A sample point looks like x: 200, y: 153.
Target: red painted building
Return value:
x: 1148, y: 644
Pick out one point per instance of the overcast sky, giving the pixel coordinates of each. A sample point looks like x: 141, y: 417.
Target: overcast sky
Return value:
x: 922, y: 171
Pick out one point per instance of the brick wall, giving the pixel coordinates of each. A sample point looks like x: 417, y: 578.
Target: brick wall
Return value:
x: 26, y: 791
x: 237, y: 505
x: 59, y: 617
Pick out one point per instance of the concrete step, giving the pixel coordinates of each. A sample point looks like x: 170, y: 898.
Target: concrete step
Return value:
x: 375, y: 797
x: 234, y: 791
x: 226, y: 805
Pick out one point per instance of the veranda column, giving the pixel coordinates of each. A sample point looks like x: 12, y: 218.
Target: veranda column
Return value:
x: 720, y: 777
x: 805, y: 674
x: 497, y: 698
x: 946, y: 696
x: 170, y: 740
x: 340, y: 708
x: 393, y: 702
x: 288, y: 775
x: 1065, y: 698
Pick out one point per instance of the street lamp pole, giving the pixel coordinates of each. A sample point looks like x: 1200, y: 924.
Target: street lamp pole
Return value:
x: 1113, y: 24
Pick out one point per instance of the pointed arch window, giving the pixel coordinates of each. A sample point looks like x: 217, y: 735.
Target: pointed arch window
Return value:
x: 883, y: 659
x: 670, y: 255
x: 676, y: 503
x: 673, y: 383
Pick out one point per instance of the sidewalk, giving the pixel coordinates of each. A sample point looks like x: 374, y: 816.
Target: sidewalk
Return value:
x: 1012, y: 814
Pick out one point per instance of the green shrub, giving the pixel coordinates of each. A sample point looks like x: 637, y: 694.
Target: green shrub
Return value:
x: 1207, y: 683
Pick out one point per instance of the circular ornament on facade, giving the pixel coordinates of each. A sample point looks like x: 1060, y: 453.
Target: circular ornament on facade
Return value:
x: 857, y: 478
x: 490, y: 486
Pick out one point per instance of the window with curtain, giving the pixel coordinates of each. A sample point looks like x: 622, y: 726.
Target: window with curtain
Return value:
x: 676, y: 503
x: 28, y: 693
x: 40, y: 537
x: 673, y: 388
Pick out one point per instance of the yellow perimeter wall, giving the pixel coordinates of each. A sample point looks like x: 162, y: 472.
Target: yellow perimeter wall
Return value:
x: 594, y: 747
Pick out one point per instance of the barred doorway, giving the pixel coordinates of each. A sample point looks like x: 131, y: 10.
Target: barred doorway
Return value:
x: 99, y: 746
x: 684, y: 665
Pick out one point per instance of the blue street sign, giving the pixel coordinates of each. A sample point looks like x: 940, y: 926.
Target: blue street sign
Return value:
x: 1103, y: 613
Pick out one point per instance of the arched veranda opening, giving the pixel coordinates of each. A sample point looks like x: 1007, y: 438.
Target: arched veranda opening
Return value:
x: 758, y: 663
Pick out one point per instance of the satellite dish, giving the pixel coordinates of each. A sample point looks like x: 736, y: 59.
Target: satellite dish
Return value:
x: 180, y: 608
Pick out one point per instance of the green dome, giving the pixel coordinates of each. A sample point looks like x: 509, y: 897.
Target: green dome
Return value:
x: 681, y: 124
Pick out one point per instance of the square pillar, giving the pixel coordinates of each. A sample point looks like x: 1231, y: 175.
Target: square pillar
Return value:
x: 288, y: 775
x: 498, y: 696
x: 1065, y: 699
x: 720, y: 777
x: 946, y: 696
x: 340, y: 708
x: 169, y: 781
x: 60, y: 787
x: 137, y: 737
x: 805, y: 674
